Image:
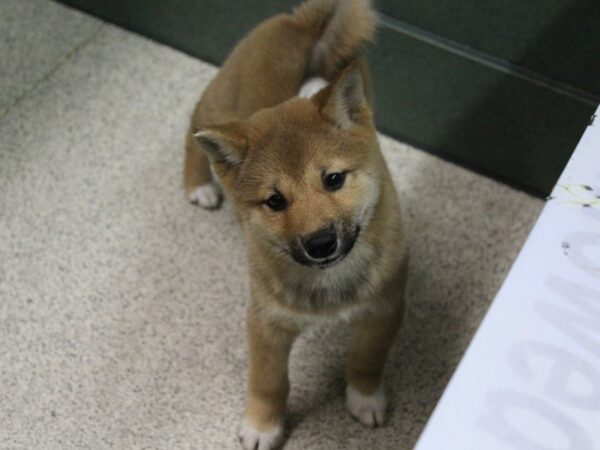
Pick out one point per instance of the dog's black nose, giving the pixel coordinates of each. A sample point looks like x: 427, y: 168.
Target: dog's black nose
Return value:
x: 321, y: 244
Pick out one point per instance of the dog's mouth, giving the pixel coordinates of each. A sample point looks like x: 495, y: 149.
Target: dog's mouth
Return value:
x: 345, y: 244
x: 329, y: 262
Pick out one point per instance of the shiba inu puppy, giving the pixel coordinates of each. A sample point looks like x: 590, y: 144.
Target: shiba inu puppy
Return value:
x: 287, y: 128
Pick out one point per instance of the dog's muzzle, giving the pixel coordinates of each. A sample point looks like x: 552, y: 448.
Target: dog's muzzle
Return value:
x: 325, y: 247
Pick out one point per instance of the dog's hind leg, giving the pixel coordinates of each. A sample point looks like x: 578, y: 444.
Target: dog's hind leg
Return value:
x: 200, y: 185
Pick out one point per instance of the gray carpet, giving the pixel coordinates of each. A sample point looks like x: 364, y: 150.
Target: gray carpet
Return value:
x: 122, y: 306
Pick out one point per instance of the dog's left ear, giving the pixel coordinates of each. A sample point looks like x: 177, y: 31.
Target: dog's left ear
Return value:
x: 225, y: 143
x: 344, y: 102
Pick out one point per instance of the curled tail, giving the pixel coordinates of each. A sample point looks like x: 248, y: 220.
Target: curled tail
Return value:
x: 344, y: 28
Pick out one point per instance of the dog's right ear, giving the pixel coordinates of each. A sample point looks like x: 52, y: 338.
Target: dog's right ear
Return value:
x: 226, y: 143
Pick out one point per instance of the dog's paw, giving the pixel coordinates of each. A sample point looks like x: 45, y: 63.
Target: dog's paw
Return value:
x: 208, y: 196
x: 253, y: 439
x: 368, y: 409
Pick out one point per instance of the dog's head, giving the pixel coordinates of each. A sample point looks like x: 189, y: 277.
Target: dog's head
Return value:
x: 304, y: 175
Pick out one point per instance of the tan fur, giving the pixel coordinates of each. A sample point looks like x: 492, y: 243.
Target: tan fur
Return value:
x: 262, y: 139
x: 339, y: 42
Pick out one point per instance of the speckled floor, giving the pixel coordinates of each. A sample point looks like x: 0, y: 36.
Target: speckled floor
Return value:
x: 121, y: 306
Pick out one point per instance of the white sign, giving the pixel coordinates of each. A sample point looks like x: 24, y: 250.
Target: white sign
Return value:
x: 530, y: 378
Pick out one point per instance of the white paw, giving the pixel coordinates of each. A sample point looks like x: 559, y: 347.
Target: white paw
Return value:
x: 208, y: 196
x: 252, y: 439
x: 368, y: 409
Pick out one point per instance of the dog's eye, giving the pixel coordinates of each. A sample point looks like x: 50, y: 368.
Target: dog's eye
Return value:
x: 276, y: 202
x: 334, y: 181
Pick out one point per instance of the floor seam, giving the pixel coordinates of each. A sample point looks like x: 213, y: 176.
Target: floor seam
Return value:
x: 61, y: 61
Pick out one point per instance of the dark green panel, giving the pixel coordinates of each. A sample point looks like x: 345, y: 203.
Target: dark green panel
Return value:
x: 461, y: 110
x: 205, y: 28
x: 511, y: 128
x: 557, y: 38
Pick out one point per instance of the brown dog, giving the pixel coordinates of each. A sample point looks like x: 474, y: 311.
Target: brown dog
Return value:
x: 314, y: 197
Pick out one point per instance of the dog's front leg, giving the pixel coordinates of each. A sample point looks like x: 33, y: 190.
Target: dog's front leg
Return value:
x: 268, y: 387
x: 371, y: 340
